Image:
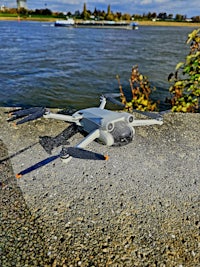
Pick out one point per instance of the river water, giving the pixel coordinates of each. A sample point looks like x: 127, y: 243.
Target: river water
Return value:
x: 42, y: 65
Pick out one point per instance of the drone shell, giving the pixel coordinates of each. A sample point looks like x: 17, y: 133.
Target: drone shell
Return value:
x: 109, y: 123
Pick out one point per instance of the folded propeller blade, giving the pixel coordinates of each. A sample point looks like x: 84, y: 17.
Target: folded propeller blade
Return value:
x: 156, y: 116
x: 81, y: 153
x: 111, y: 98
x: 29, y: 114
x: 69, y: 151
x: 37, y: 165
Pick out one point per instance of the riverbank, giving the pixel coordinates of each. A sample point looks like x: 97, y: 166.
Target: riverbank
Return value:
x: 143, y: 23
x: 139, y: 208
x: 169, y: 24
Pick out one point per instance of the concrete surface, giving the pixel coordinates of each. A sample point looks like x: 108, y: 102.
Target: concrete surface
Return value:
x: 152, y: 184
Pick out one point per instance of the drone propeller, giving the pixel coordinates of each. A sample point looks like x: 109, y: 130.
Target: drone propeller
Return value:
x: 37, y: 166
x: 81, y: 153
x: 111, y: 98
x: 152, y: 115
x: 156, y: 116
x: 29, y: 114
x: 74, y: 152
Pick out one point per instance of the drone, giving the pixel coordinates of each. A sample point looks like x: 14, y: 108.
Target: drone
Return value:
x: 108, y: 127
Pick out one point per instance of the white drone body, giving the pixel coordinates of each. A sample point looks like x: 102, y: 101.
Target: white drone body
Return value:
x: 109, y: 127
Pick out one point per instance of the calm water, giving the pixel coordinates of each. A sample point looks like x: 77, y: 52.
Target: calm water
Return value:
x: 41, y: 65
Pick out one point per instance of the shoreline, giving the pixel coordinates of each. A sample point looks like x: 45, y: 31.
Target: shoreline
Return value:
x: 141, y: 23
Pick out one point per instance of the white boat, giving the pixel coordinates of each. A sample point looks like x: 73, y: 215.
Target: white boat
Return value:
x: 97, y: 24
x: 64, y: 23
x: 106, y: 24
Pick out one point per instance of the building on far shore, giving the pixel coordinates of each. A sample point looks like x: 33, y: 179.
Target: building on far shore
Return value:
x: 3, y: 8
x: 21, y: 4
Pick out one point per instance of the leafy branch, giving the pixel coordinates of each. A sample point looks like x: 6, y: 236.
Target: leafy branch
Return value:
x: 141, y: 90
x: 185, y: 89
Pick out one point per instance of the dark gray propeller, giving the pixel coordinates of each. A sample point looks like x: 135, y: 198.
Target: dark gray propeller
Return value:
x: 74, y: 152
x: 152, y: 115
x: 29, y: 114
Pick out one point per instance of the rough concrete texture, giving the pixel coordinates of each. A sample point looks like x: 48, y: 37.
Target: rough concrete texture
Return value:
x: 139, y: 208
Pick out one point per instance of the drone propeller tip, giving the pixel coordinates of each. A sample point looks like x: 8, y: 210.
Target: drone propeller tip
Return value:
x: 18, y: 175
x: 106, y: 157
x: 10, y: 114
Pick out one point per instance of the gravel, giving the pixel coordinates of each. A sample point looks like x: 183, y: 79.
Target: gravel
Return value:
x: 139, y: 208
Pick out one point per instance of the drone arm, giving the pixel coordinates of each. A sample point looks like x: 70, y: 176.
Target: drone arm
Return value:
x: 103, y: 102
x: 146, y: 122
x: 62, y: 117
x: 88, y: 139
x: 111, y: 98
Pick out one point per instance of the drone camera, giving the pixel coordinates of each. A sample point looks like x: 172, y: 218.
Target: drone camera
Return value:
x: 110, y: 127
x: 130, y: 119
x: 122, y: 133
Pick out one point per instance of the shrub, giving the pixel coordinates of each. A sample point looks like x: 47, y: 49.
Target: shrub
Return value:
x: 185, y: 88
x: 141, y: 90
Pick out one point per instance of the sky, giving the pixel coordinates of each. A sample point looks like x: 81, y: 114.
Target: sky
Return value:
x: 189, y: 8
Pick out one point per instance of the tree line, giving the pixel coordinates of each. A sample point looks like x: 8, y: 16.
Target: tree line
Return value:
x: 97, y: 14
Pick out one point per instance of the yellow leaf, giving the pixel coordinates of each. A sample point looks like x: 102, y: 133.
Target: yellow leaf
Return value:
x: 179, y: 65
x: 184, y: 109
x: 144, y: 102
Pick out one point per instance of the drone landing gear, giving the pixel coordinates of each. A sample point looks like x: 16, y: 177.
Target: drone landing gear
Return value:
x: 78, y: 152
x: 65, y: 157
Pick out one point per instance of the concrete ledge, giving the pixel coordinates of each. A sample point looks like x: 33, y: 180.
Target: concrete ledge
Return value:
x: 141, y: 206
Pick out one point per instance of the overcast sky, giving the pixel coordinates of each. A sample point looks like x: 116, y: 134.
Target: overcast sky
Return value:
x: 184, y: 7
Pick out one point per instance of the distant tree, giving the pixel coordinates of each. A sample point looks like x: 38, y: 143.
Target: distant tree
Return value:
x: 179, y: 17
x: 137, y: 17
x: 102, y: 15
x: 98, y: 13
x: 46, y: 12
x: 154, y: 15
x: 149, y: 15
x: 22, y: 11
x: 84, y: 8
x: 108, y: 10
x: 95, y: 12
x: 59, y: 14
x: 85, y: 14
x: 11, y: 10
x: 126, y: 16
x: 162, y: 16
x: 77, y: 14
x: 196, y: 19
x: 109, y: 14
x: 170, y: 16
x: 69, y: 14
x: 118, y: 15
